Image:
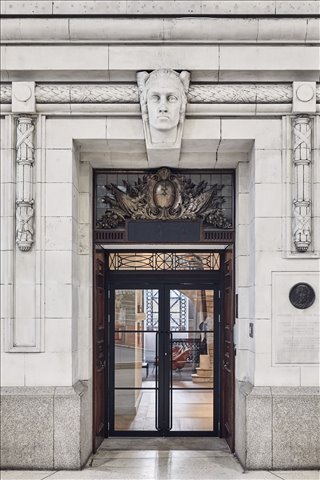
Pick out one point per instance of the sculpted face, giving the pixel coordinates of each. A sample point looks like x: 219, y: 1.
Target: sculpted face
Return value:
x: 164, y: 104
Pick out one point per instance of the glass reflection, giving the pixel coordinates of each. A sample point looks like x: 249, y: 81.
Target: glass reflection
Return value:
x: 137, y: 362
x: 135, y: 359
x: 192, y: 360
x: 191, y: 310
x: 192, y: 410
x: 135, y: 410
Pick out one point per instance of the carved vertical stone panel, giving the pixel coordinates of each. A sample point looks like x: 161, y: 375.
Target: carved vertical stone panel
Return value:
x: 302, y: 183
x: 24, y: 183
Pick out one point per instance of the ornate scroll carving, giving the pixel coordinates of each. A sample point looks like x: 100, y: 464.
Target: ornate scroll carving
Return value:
x: 5, y: 93
x: 302, y: 127
x: 24, y: 195
x: 163, y: 196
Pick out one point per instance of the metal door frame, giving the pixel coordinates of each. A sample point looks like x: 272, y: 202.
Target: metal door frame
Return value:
x: 164, y: 281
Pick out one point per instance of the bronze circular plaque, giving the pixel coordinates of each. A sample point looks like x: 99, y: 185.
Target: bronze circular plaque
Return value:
x: 302, y: 295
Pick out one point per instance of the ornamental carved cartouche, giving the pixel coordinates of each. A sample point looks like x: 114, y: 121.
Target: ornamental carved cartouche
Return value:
x: 163, y: 195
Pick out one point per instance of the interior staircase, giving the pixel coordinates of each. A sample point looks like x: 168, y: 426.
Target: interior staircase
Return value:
x: 205, y: 370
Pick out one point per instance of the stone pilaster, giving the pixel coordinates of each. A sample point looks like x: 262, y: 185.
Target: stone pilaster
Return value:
x: 24, y: 183
x: 302, y: 183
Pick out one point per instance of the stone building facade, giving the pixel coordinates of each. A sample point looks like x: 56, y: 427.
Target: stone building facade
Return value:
x: 70, y: 104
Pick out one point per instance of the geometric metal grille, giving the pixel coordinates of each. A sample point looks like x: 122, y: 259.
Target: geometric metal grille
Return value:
x: 152, y: 309
x: 178, y: 310
x: 161, y: 261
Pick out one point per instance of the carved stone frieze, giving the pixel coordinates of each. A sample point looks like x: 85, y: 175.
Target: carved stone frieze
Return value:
x: 24, y: 183
x: 163, y: 196
x: 250, y: 93
x: 302, y: 188
x: 87, y: 93
x: 117, y: 93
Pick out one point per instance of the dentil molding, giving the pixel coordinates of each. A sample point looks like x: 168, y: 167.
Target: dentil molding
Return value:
x: 250, y: 93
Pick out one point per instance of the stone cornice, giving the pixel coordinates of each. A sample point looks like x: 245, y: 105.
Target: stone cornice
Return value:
x: 126, y: 94
x: 194, y: 30
x: 161, y: 8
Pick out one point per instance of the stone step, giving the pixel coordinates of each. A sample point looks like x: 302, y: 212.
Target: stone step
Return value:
x: 204, y: 372
x: 197, y: 379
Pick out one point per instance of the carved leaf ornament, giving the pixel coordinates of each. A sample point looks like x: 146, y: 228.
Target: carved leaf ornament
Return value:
x: 163, y: 196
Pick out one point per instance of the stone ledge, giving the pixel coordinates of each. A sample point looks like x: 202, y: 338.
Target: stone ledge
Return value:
x: 247, y: 389
x: 163, y: 7
x: 161, y: 30
x: 78, y: 389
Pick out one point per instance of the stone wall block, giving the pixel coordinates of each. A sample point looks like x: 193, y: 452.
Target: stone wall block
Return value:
x: 85, y: 419
x: 66, y: 429
x: 277, y: 427
x: 26, y: 431
x: 241, y: 391
x: 259, y: 447
x: 296, y: 434
x: 40, y: 427
x: 295, y: 29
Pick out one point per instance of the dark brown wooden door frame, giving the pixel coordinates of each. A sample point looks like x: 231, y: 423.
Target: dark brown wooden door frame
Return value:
x: 227, y: 351
x: 99, y: 350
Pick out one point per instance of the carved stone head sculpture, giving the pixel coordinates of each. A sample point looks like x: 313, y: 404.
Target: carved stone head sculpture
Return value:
x: 163, y: 99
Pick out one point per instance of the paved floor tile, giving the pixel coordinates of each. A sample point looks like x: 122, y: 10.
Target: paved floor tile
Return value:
x: 162, y: 465
x: 297, y: 474
x: 25, y: 474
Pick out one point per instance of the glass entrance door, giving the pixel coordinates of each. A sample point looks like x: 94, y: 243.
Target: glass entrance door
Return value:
x: 191, y: 386
x: 134, y: 373
x: 164, y: 354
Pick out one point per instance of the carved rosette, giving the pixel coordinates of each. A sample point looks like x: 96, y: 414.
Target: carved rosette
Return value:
x: 24, y: 194
x: 302, y: 129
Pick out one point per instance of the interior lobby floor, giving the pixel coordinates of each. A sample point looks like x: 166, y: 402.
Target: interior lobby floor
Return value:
x: 192, y: 410
x: 162, y: 459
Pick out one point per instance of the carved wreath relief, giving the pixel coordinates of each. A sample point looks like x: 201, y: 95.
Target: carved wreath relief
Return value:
x: 163, y: 196
x: 24, y: 195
